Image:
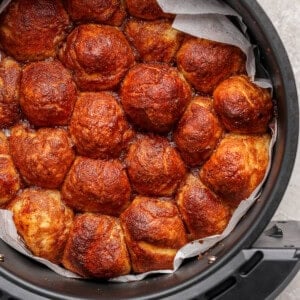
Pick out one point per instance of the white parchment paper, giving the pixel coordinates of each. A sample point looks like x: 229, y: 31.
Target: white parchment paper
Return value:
x: 204, y: 19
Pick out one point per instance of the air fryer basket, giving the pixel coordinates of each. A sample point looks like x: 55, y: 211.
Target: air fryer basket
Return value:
x: 196, y: 274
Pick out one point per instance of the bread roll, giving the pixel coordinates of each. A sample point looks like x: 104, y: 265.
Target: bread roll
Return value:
x: 32, y: 30
x: 154, y: 96
x: 97, y: 186
x: 43, y: 157
x: 237, y: 166
x: 154, y: 166
x: 43, y: 221
x: 98, y: 126
x: 242, y: 106
x: 153, y: 232
x: 48, y: 93
x: 96, y: 247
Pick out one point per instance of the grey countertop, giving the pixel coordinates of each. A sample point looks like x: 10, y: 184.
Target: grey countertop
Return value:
x: 285, y: 16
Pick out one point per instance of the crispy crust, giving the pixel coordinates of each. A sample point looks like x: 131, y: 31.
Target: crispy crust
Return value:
x: 153, y: 232
x: 48, y: 93
x: 43, y: 157
x: 43, y: 221
x: 96, y: 247
x: 154, y: 96
x: 32, y: 30
x: 154, y: 166
x: 98, y: 126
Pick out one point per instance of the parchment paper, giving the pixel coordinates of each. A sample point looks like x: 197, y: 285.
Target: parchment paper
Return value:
x: 204, y: 19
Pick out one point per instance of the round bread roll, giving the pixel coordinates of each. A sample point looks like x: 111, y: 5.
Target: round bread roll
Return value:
x: 154, y: 96
x: 198, y: 132
x: 243, y: 107
x: 154, y: 166
x: 237, y: 166
x: 155, y: 41
x: 98, y: 126
x: 203, y: 213
x: 154, y: 232
x: 43, y: 157
x: 146, y: 9
x: 10, y: 73
x: 9, y: 179
x: 206, y: 63
x: 97, y: 186
x: 96, y: 247
x: 32, y: 30
x: 110, y: 12
x: 43, y: 221
x: 48, y: 93
x: 98, y: 55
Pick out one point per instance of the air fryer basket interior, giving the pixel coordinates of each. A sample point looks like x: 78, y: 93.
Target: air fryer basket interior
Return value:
x: 37, y: 278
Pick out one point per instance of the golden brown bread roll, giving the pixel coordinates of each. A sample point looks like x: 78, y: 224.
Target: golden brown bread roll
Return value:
x: 154, y: 232
x: 4, y: 149
x: 43, y: 221
x: 203, y: 212
x: 97, y: 186
x: 198, y: 132
x: 110, y: 12
x: 32, y: 30
x: 243, y: 107
x: 10, y: 73
x: 155, y: 41
x: 98, y: 126
x: 206, y: 63
x: 9, y: 179
x: 146, y: 9
x: 96, y: 247
x: 48, y: 93
x: 43, y: 157
x: 237, y: 166
x: 154, y: 166
x: 98, y: 55
x: 154, y: 96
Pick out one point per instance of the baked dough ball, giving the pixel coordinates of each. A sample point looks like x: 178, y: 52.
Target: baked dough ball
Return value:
x: 198, y: 132
x: 43, y: 157
x: 9, y: 179
x: 98, y: 55
x: 154, y: 96
x: 43, y: 221
x: 206, y: 63
x: 110, y: 12
x: 10, y: 73
x: 32, y: 30
x: 96, y: 247
x: 98, y: 126
x: 153, y: 233
x: 203, y: 213
x: 237, y: 166
x: 146, y: 9
x: 243, y: 107
x: 155, y: 41
x: 48, y: 93
x: 154, y: 166
x: 97, y: 186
